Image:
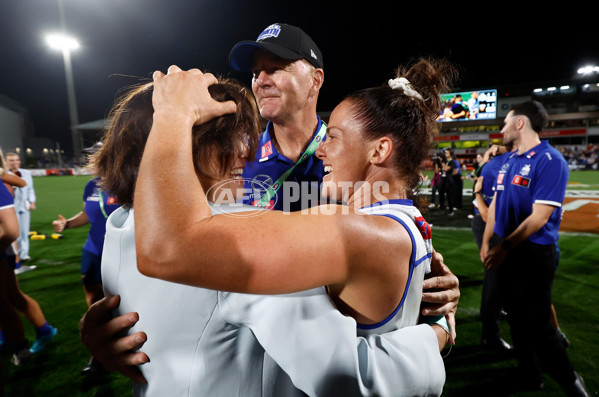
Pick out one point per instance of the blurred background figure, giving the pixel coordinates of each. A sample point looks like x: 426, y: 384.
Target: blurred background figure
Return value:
x: 24, y: 204
x: 12, y: 299
x: 97, y: 206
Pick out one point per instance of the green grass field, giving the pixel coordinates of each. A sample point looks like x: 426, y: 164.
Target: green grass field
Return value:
x: 56, y: 285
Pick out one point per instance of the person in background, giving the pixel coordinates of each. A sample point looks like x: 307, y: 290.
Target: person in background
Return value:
x: 526, y: 214
x: 25, y: 202
x: 435, y: 182
x: 12, y: 299
x: 490, y: 306
x: 97, y: 206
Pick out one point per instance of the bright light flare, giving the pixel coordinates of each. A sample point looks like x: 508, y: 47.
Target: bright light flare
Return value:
x: 62, y: 42
x: 588, y: 69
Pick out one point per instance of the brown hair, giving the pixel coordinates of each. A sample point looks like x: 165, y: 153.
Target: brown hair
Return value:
x: 408, y: 120
x: 117, y: 162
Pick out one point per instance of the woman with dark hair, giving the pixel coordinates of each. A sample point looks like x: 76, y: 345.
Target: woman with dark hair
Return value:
x: 373, y: 266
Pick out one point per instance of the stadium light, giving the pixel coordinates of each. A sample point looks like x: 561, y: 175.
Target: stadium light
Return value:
x: 66, y: 44
x: 588, y: 69
x: 62, y: 42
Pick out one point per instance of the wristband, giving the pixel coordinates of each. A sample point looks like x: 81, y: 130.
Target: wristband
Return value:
x: 442, y: 322
x: 479, y: 192
x: 67, y: 225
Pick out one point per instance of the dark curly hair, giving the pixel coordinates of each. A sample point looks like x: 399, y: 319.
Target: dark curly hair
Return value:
x: 409, y: 121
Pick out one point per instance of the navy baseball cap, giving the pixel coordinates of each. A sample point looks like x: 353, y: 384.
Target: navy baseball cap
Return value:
x: 283, y: 40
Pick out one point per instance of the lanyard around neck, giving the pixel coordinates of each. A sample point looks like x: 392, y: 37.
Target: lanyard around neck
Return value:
x: 272, y: 190
x: 101, y: 202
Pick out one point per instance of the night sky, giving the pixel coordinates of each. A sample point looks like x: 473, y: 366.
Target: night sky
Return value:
x: 124, y: 41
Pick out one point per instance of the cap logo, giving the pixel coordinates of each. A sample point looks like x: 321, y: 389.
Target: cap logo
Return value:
x: 271, y: 31
x: 313, y: 55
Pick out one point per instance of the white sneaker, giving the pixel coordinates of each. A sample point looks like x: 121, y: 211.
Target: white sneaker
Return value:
x: 431, y: 205
x: 21, y: 357
x: 25, y: 269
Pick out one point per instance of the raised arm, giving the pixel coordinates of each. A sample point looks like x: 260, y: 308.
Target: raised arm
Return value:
x: 221, y: 252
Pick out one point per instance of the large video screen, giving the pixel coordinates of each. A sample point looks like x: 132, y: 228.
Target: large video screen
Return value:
x: 469, y: 105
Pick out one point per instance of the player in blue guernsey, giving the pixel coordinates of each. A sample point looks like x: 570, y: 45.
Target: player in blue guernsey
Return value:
x: 526, y: 213
x: 97, y: 206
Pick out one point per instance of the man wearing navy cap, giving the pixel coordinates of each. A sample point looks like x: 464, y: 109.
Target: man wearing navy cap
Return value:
x: 526, y: 213
x: 287, y: 74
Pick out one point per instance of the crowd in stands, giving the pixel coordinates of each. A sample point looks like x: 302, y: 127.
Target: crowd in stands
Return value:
x: 580, y: 157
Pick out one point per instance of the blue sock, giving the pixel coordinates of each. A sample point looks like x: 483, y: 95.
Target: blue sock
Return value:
x: 17, y: 265
x: 43, y: 330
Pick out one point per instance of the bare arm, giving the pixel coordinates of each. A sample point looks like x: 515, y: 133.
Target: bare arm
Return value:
x: 220, y: 252
x: 60, y: 224
x: 13, y: 180
x: 482, y: 207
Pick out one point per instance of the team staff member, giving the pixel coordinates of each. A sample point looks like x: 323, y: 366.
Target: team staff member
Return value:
x: 526, y: 213
x: 287, y: 69
x: 287, y: 74
x: 490, y: 306
x: 24, y: 203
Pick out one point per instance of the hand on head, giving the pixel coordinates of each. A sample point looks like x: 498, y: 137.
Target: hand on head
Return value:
x: 186, y: 93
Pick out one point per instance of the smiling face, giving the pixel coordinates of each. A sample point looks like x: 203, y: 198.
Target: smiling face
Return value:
x: 224, y: 184
x: 344, y: 153
x: 281, y: 87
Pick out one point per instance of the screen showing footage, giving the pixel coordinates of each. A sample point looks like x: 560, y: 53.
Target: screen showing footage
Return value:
x: 469, y: 105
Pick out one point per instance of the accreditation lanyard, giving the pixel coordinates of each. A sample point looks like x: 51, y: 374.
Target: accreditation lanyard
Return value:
x: 272, y: 190
x: 101, y: 202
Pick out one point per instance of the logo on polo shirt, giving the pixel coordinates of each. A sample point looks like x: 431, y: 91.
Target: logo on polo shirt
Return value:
x: 525, y: 170
x: 266, y: 149
x: 111, y: 201
x: 520, y: 180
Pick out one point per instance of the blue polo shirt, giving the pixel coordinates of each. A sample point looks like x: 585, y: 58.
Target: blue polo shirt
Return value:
x: 97, y: 219
x: 300, y: 190
x: 539, y: 175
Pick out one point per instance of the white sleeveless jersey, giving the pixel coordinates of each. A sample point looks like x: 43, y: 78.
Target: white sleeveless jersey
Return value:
x: 209, y: 343
x: 408, y: 311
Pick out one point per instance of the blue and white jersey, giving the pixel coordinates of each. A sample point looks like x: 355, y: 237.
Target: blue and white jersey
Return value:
x: 408, y: 310
x: 269, y: 165
x: 539, y: 175
x: 6, y: 199
x: 209, y: 343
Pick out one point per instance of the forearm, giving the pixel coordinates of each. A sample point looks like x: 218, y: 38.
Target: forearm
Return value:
x: 483, y: 210
x: 81, y: 219
x: 160, y: 227
x: 13, y: 180
x: 532, y: 224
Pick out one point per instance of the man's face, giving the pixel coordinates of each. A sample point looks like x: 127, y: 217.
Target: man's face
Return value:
x: 510, y: 131
x: 281, y: 87
x: 13, y: 163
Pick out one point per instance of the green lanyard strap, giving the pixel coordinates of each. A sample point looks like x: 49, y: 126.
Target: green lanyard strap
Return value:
x: 272, y: 190
x: 101, y: 202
